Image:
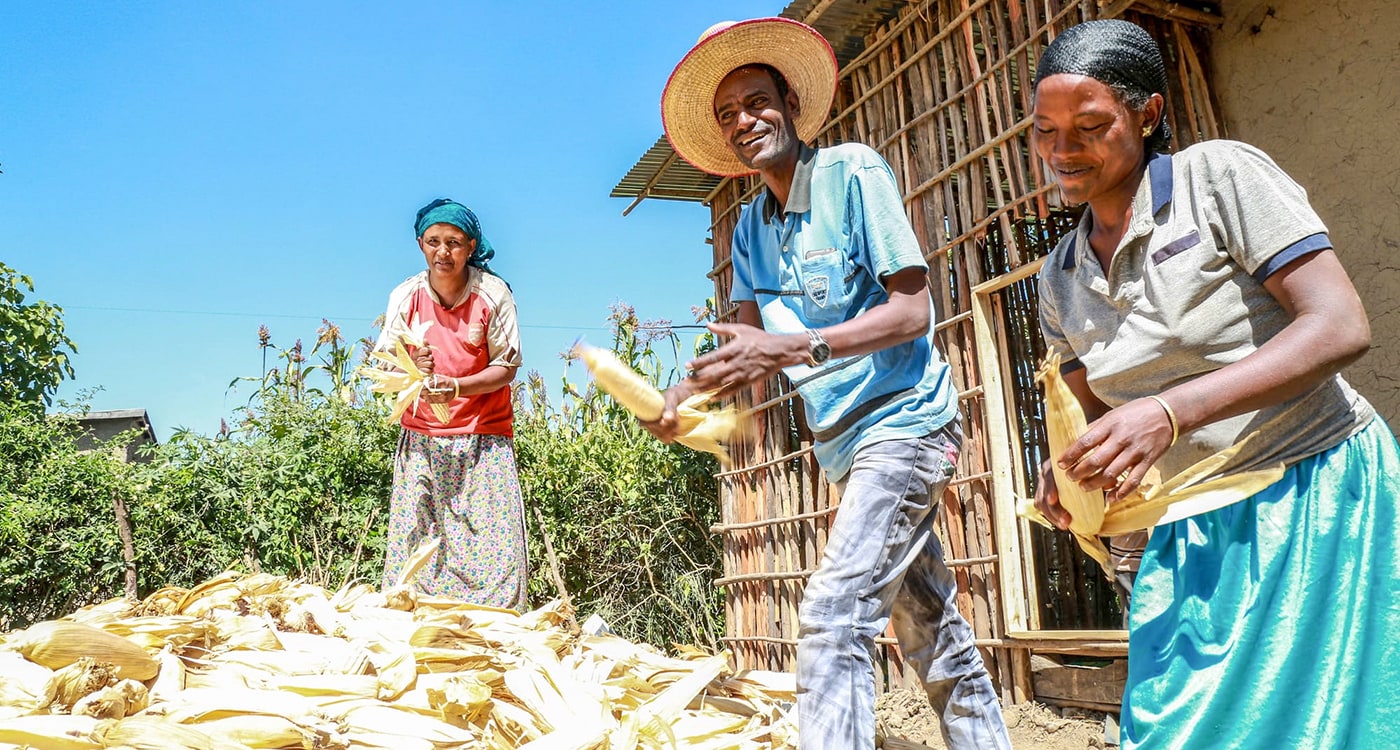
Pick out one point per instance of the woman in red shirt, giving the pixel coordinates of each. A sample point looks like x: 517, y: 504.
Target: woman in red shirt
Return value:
x: 456, y: 480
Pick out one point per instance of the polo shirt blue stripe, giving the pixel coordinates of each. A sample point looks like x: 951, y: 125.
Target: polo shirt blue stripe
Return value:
x: 1311, y: 244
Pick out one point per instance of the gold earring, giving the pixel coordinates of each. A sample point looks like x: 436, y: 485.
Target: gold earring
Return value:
x: 1146, y: 131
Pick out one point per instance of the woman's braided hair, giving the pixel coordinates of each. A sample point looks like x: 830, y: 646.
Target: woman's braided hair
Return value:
x: 1121, y: 55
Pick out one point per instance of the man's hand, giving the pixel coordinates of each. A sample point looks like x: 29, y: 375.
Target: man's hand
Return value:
x: 664, y: 428
x: 750, y: 355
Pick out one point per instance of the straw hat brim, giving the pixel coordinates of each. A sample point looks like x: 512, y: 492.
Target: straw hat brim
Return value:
x: 797, y: 50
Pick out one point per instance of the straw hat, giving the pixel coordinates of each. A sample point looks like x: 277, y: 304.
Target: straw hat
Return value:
x: 797, y: 50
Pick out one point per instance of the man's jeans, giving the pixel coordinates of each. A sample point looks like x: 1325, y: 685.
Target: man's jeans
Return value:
x: 883, y: 558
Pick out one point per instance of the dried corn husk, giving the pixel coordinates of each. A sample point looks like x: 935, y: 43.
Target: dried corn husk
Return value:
x: 1195, y: 490
x: 51, y: 732
x: 58, y: 643
x: 404, y: 381
x: 150, y: 732
x: 107, y: 703
x: 25, y: 687
x: 76, y: 681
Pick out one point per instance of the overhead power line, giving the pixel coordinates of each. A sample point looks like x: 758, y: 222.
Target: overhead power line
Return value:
x: 333, y: 318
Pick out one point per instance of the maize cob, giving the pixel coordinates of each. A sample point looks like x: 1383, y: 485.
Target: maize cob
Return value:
x: 406, y: 382
x: 461, y: 698
x: 114, y: 702
x: 68, y: 685
x: 257, y: 731
x: 1193, y: 491
x: 50, y: 732
x: 696, y: 427
x: 58, y: 643
x: 621, y: 382
x: 1064, y: 423
x: 25, y: 687
x: 147, y: 732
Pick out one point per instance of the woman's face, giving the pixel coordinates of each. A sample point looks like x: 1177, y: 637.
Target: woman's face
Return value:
x: 1092, y: 141
x: 447, y: 249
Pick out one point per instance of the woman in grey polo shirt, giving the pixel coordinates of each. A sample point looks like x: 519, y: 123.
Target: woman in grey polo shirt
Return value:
x: 1199, y: 302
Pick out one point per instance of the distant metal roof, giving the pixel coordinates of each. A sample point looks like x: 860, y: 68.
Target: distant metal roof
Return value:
x: 660, y: 173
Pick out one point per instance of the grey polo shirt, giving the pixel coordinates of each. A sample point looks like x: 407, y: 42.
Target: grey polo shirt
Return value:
x: 1184, y: 296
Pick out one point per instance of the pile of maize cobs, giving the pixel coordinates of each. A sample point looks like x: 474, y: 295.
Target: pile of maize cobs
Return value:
x: 260, y: 661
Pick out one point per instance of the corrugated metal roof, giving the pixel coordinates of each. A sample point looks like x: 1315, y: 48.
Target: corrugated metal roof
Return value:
x: 844, y: 23
x: 660, y: 173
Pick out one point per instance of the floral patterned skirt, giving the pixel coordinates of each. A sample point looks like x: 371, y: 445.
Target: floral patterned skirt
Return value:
x: 464, y: 490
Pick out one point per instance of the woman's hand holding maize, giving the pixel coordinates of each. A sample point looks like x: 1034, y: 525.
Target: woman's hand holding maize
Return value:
x: 1047, y: 498
x: 423, y: 359
x: 1116, y: 451
x: 1127, y: 440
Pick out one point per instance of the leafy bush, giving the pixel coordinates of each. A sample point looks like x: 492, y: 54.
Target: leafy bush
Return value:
x: 32, y: 343
x: 628, y: 516
x: 300, y: 485
x: 59, y: 547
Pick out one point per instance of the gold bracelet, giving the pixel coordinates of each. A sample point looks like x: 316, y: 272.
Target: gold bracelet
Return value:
x: 457, y: 393
x: 1171, y: 417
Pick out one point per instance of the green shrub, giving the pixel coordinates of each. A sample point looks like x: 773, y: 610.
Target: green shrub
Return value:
x: 33, y: 360
x: 59, y: 548
x: 299, y: 486
x: 628, y: 516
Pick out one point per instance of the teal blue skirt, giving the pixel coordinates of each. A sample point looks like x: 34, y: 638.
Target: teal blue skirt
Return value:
x: 1275, y: 622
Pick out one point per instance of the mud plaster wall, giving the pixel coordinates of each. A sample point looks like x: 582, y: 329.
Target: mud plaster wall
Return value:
x: 1317, y: 86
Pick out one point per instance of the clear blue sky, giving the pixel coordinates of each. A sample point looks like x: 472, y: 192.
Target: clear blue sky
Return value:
x: 176, y: 173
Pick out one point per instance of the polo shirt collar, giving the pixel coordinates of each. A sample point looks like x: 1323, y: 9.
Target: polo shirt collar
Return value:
x: 1159, y: 174
x: 800, y: 194
x: 1160, y: 184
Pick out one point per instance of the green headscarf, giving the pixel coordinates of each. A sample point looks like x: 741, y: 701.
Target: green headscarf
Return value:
x: 448, y: 211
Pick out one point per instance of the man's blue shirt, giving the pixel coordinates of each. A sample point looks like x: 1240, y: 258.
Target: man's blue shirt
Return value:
x: 819, y: 261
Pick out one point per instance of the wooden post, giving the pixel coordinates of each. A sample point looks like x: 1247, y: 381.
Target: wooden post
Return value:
x: 128, y: 545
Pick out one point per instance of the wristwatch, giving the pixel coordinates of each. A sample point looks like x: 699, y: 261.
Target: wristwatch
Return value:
x: 818, y: 351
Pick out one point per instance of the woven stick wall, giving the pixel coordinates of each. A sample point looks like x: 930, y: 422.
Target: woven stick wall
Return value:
x: 943, y: 92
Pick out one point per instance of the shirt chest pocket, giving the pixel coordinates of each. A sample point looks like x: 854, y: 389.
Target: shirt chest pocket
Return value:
x: 827, y: 281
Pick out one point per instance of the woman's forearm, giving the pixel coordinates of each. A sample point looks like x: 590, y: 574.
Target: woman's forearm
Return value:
x: 488, y: 380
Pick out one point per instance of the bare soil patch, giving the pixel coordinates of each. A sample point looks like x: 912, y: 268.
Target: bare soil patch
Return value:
x: 906, y: 715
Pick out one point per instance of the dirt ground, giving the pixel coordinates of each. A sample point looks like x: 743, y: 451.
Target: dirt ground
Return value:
x: 905, y: 714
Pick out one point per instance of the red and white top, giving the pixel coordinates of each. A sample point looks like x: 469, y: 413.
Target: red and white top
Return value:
x: 471, y: 335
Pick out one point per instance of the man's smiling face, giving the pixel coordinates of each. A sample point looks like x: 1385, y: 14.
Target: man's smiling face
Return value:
x: 756, y: 121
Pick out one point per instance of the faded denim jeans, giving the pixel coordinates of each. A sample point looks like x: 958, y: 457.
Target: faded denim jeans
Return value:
x: 883, y: 560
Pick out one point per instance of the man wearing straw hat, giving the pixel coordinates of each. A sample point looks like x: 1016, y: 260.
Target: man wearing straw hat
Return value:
x: 831, y: 287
